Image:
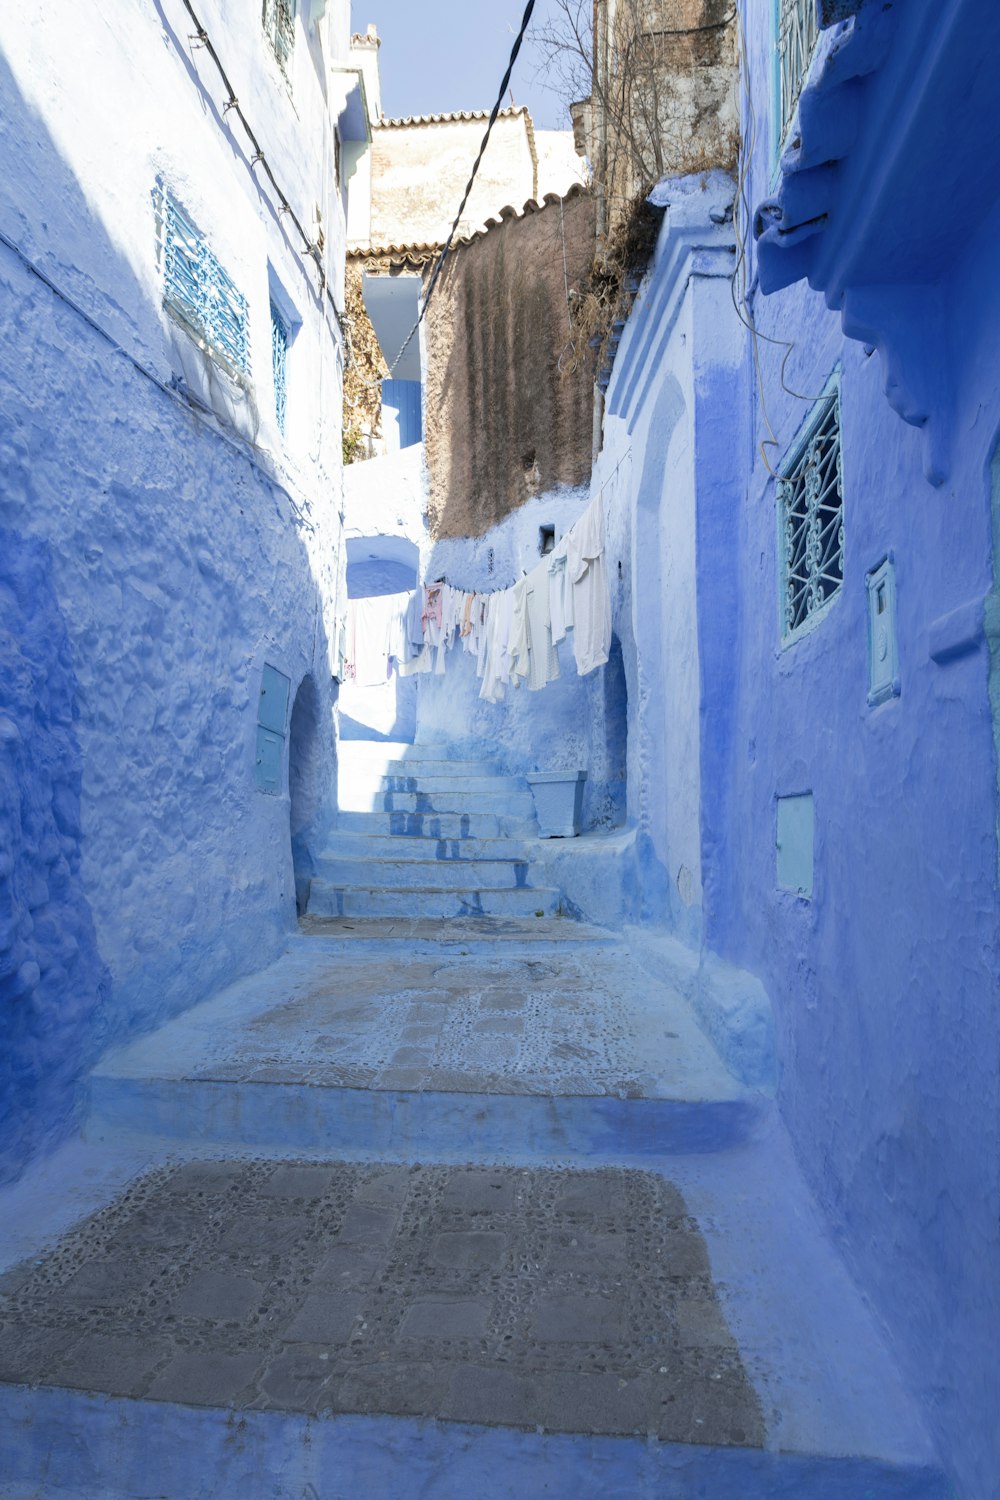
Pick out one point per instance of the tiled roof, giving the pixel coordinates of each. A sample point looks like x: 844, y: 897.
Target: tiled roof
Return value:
x: 421, y: 249
x: 458, y: 114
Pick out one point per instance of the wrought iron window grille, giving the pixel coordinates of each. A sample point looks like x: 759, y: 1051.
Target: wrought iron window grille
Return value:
x: 279, y: 363
x: 811, y: 519
x: 198, y: 291
x: 279, y: 28
x: 798, y: 32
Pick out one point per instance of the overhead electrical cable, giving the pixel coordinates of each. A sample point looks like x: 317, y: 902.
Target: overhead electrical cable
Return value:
x: 439, y: 264
x: 202, y: 39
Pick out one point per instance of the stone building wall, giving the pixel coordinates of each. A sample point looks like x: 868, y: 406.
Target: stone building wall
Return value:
x: 503, y: 421
x: 665, y: 94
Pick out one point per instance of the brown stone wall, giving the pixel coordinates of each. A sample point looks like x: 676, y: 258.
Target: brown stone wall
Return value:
x: 502, y: 421
x: 669, y: 92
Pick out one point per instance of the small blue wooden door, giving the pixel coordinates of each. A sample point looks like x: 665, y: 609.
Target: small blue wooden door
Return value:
x: 403, y: 397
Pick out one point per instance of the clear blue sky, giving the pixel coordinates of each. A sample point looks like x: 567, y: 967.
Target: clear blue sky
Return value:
x: 451, y: 54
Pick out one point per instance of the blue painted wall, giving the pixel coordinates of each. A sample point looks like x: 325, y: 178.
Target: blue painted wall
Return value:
x: 53, y: 985
x: 885, y: 982
x: 149, y: 567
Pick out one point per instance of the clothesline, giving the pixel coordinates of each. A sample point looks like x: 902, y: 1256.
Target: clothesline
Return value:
x: 512, y: 633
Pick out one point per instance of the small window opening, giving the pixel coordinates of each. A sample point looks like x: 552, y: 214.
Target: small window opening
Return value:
x: 811, y: 519
x: 546, y: 540
x: 279, y: 28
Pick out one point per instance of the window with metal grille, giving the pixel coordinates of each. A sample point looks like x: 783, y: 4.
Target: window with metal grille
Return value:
x: 198, y: 291
x: 798, y: 30
x: 279, y: 364
x: 811, y: 518
x: 279, y: 27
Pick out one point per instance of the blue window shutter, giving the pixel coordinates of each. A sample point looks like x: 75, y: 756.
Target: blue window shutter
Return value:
x: 273, y: 708
x: 272, y: 713
x: 267, y: 769
x: 404, y: 396
x: 199, y: 291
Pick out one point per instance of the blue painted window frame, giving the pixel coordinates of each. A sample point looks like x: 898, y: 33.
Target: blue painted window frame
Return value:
x: 280, y: 339
x: 810, y: 552
x: 197, y: 289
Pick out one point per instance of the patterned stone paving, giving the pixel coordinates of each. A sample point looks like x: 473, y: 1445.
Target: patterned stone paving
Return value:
x: 571, y: 1301
x: 582, y: 1024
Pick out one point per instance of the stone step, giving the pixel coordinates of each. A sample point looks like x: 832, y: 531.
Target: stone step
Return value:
x: 417, y: 1122
x: 390, y: 870
x: 381, y: 846
x: 317, y: 1327
x: 444, y: 901
x: 513, y: 803
x: 546, y: 936
x: 439, y: 751
x: 435, y: 825
x: 455, y: 786
x: 433, y: 767
x: 465, y: 1050
x: 290, y: 1453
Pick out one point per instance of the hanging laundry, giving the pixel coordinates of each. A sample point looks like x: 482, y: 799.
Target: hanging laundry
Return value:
x: 496, y: 673
x: 591, y: 596
x: 519, y: 645
x: 560, y: 592
x: 368, y: 639
x: 511, y: 633
x: 543, y: 657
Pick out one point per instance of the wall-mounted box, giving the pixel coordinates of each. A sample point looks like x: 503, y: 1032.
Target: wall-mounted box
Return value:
x: 883, y: 649
x: 794, y: 841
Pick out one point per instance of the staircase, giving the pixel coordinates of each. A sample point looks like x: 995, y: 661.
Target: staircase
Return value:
x: 443, y: 1204
x: 443, y: 839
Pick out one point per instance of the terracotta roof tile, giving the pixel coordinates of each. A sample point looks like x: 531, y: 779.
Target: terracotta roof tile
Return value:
x: 424, y: 248
x: 452, y: 115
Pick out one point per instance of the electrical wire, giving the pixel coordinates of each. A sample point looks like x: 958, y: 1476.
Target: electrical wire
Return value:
x: 738, y: 285
x: 693, y: 30
x: 202, y: 39
x: 439, y: 265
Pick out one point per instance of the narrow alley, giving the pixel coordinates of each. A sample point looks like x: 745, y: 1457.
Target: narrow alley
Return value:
x: 499, y: 750
x: 555, y: 1224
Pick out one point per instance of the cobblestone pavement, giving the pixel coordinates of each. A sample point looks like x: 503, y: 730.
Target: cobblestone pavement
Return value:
x: 572, y: 1301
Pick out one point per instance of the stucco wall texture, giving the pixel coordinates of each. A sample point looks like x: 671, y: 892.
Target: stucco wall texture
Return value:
x: 503, y: 422
x: 152, y: 557
x: 179, y: 570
